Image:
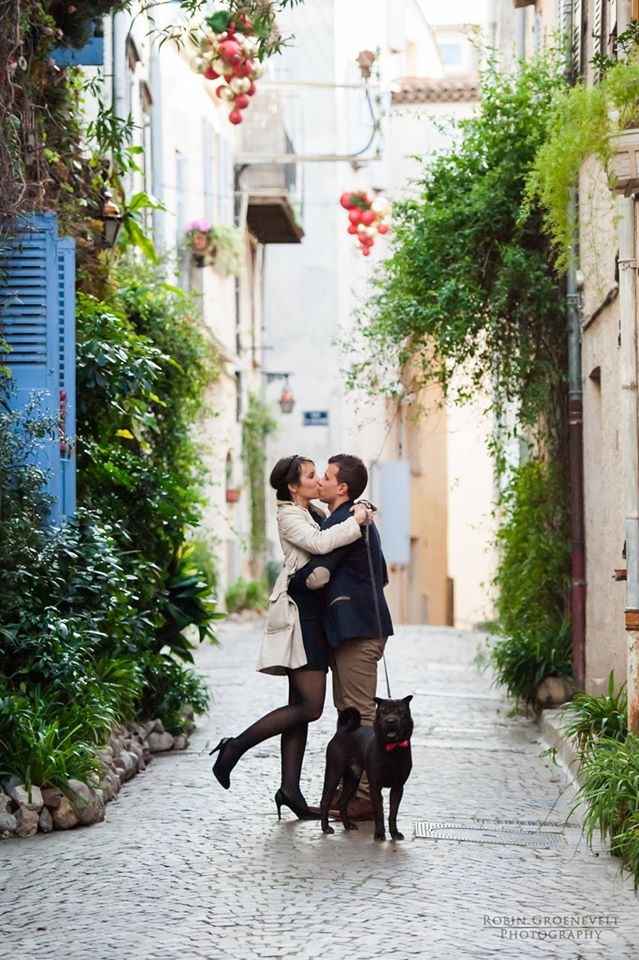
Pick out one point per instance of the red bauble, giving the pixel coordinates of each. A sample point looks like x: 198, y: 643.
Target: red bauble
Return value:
x: 383, y: 228
x: 367, y: 241
x: 242, y: 101
x: 345, y: 201
x: 355, y: 216
x: 366, y: 251
x: 230, y: 51
x: 246, y: 69
x: 368, y: 217
x: 352, y: 228
x: 252, y: 90
x: 220, y: 91
x: 210, y: 74
x: 245, y: 22
x: 235, y: 116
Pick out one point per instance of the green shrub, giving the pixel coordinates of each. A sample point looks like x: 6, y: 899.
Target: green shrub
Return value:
x: 143, y: 367
x: 609, y: 776
x: 532, y: 581
x: 470, y: 286
x: 168, y: 688
x: 35, y: 745
x: 246, y: 595
x: 589, y: 718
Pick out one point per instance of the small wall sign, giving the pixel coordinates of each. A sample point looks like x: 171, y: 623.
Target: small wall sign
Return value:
x: 315, y: 418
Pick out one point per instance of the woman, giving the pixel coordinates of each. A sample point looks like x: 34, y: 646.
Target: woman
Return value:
x: 296, y: 484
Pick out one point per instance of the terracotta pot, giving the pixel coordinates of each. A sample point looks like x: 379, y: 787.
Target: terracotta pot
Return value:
x: 624, y: 164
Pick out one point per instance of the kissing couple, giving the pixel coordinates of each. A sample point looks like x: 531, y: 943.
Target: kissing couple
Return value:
x: 327, y: 609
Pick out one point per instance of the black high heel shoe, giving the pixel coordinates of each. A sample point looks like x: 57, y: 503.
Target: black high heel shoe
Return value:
x: 219, y: 772
x: 301, y: 811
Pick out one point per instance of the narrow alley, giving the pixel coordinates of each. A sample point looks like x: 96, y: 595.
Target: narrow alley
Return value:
x: 182, y: 869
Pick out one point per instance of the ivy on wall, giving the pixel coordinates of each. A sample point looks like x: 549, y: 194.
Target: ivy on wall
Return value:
x: 258, y: 424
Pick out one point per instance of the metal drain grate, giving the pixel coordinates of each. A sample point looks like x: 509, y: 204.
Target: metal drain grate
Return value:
x: 490, y: 831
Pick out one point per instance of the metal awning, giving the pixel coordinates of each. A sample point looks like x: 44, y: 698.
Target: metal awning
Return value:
x: 271, y: 219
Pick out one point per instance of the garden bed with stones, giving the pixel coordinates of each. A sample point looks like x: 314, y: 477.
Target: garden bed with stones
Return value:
x: 24, y: 812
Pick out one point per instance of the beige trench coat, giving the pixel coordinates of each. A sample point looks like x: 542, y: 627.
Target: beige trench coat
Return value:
x: 282, y: 647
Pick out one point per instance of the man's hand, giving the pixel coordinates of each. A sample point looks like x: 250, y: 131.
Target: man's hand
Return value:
x: 362, y: 513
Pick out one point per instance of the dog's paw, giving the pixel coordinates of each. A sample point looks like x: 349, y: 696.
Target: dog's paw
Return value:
x: 327, y: 830
x: 397, y: 835
x: 380, y: 836
x: 349, y: 825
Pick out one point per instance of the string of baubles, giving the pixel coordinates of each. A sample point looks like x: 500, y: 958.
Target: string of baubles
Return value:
x: 368, y: 217
x: 231, y: 55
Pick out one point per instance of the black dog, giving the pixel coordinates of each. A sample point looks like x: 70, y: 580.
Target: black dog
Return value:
x: 382, y: 750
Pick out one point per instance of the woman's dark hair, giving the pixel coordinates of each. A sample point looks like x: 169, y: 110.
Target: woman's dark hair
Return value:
x: 287, y: 470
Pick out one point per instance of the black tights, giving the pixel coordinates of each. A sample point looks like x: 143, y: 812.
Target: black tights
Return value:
x: 307, y: 689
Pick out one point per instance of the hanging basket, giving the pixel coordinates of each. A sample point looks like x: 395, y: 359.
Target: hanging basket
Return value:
x: 624, y: 165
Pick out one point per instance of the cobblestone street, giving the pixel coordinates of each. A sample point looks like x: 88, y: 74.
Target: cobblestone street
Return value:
x: 183, y: 869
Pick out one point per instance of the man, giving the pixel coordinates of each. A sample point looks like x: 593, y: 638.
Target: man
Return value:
x: 351, y: 618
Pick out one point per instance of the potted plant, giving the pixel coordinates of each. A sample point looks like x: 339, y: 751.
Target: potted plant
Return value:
x: 219, y: 246
x: 199, y: 234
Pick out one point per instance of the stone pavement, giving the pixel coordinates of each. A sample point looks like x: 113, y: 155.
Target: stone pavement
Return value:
x: 182, y: 869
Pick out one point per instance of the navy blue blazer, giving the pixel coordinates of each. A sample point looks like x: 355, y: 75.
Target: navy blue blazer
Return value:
x: 349, y: 604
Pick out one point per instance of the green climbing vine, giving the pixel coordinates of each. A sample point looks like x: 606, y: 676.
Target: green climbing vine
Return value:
x: 258, y: 424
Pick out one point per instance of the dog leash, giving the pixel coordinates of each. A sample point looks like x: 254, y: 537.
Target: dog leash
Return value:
x: 378, y: 614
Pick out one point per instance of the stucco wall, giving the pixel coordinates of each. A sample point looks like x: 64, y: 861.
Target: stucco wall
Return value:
x: 603, y: 480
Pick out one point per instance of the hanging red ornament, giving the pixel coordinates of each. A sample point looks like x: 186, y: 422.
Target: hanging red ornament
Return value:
x: 383, y: 228
x: 355, y: 216
x: 352, y: 228
x: 230, y: 51
x: 345, y: 201
x: 368, y: 217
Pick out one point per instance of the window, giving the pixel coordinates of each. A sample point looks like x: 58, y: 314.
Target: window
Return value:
x: 451, y: 54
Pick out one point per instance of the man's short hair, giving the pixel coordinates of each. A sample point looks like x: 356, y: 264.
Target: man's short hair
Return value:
x: 352, y: 472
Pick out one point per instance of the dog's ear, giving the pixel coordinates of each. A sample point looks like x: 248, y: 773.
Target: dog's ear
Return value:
x: 407, y: 699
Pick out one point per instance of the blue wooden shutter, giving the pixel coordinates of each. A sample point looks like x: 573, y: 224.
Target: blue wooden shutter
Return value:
x: 90, y: 55
x: 30, y: 319
x: 66, y: 368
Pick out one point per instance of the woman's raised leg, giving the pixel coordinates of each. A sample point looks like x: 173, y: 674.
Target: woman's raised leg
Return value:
x: 310, y: 691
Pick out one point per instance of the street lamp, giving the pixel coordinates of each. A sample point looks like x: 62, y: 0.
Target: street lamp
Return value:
x: 287, y: 400
x: 111, y: 220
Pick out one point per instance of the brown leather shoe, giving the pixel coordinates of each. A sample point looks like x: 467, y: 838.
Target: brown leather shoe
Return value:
x: 358, y: 809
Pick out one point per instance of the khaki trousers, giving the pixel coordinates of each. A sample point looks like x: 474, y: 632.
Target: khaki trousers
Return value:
x: 354, y: 668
